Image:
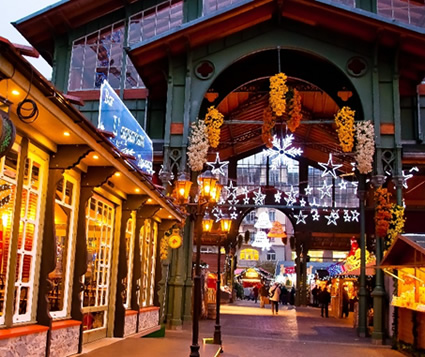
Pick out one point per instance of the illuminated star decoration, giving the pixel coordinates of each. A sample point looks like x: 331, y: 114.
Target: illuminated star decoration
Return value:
x: 231, y: 190
x: 246, y: 200
x: 315, y: 214
x: 278, y: 196
x: 408, y: 176
x: 343, y: 185
x: 355, y: 185
x: 259, y: 197
x: 301, y: 217
x: 217, y: 213
x: 314, y: 203
x: 217, y: 165
x: 244, y: 191
x: 325, y: 190
x: 330, y: 167
x: 281, y: 154
x: 332, y: 218
x: 233, y: 204
x: 353, y: 166
x: 291, y: 196
x: 234, y: 215
x: 308, y: 190
x: 302, y: 202
x: 355, y: 215
x: 347, y: 217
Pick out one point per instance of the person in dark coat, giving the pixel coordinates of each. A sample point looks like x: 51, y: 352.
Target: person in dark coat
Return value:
x: 325, y: 299
x: 255, y: 291
x: 345, y: 303
x: 283, y: 295
x: 292, y: 296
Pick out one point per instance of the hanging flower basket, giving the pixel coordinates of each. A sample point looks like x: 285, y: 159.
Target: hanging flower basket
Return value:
x: 198, y: 146
x: 213, y: 121
x: 365, y: 146
x: 382, y: 211
x: 344, y: 121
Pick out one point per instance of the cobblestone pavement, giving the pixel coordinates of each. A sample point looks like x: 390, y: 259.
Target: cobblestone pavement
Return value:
x: 248, y: 331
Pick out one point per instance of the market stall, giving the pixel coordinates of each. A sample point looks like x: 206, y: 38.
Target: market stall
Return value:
x: 405, y: 262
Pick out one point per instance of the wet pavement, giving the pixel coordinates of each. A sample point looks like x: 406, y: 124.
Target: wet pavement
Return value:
x: 248, y: 330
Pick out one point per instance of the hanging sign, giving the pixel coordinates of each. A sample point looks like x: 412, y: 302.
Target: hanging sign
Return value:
x: 129, y: 136
x: 7, y: 133
x: 175, y: 240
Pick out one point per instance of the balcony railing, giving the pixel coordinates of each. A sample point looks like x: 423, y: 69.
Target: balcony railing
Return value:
x: 403, y: 11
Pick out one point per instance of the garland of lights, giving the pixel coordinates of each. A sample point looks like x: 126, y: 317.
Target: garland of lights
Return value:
x: 344, y: 121
x: 213, y: 121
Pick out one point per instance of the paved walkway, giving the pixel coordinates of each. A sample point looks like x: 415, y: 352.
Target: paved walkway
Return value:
x: 249, y: 331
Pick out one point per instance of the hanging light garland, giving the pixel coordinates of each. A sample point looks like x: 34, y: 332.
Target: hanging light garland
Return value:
x: 344, y: 121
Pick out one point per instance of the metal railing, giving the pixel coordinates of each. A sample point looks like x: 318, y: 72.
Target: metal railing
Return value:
x: 403, y: 11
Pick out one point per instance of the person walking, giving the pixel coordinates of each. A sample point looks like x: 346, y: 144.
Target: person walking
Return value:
x: 255, y: 293
x: 264, y: 293
x: 274, y: 294
x: 325, y: 299
x: 345, y: 303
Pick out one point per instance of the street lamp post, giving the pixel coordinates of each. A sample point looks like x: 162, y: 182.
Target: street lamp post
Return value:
x: 207, y: 193
x: 225, y: 228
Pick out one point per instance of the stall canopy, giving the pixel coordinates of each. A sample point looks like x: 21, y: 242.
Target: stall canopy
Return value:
x: 407, y: 251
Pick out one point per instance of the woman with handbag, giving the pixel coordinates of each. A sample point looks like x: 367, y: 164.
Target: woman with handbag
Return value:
x: 274, y: 294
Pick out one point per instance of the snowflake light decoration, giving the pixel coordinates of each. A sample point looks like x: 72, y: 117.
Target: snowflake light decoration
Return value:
x: 281, y: 154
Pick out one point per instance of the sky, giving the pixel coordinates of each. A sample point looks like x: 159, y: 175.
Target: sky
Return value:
x: 16, y: 10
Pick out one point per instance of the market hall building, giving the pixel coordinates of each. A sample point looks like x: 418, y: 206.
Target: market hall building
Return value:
x: 171, y: 60
x: 81, y: 224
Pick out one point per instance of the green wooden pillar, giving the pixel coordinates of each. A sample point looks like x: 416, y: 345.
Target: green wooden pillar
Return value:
x: 188, y: 283
x: 362, y: 327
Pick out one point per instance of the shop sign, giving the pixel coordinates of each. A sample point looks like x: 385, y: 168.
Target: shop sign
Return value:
x: 129, y: 136
x: 175, y: 241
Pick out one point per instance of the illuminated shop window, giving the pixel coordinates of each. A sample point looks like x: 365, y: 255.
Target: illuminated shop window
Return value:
x: 98, y: 56
x: 96, y: 281
x: 129, y: 244
x: 148, y: 246
x: 27, y: 263
x: 8, y: 177
x: 249, y: 254
x: 65, y: 223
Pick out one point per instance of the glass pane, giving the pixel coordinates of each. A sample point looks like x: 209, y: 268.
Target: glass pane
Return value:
x: 26, y: 268
x: 57, y: 293
x: 93, y: 320
x: 59, y: 190
x: 11, y: 164
x: 35, y: 175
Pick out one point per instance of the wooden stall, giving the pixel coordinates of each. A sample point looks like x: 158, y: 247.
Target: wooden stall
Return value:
x: 405, y: 261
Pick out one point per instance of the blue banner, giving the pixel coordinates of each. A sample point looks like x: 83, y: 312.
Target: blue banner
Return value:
x: 130, y: 138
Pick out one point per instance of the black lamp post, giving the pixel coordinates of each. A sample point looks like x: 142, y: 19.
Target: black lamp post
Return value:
x: 225, y: 228
x: 207, y: 193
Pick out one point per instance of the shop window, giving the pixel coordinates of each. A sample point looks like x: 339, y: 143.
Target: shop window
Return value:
x: 129, y: 243
x: 148, y: 246
x: 146, y: 238
x: 271, y: 256
x: 8, y: 177
x: 96, y: 281
x: 61, y: 277
x: 26, y: 262
x: 249, y: 254
x: 99, y: 56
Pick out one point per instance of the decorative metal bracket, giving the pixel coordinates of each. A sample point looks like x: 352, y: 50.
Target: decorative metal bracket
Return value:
x: 68, y: 156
